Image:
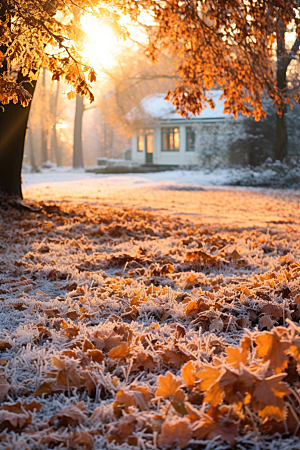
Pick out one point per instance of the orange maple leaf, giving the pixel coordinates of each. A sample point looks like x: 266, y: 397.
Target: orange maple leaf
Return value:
x: 272, y: 347
x: 168, y: 385
x: 188, y: 374
x: 237, y: 356
x: 120, y: 352
x: 267, y: 398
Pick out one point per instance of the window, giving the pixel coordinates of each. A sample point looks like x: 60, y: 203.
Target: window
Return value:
x: 170, y: 139
x: 143, y: 138
x: 190, y: 139
x: 140, y: 143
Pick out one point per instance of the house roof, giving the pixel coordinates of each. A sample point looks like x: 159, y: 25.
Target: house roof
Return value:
x: 156, y: 107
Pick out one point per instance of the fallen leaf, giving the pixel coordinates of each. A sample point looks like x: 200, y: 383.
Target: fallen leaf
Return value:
x: 176, y: 432
x: 188, y: 374
x: 120, y: 352
x: 168, y: 385
x: 272, y: 347
x: 267, y: 398
x: 73, y: 415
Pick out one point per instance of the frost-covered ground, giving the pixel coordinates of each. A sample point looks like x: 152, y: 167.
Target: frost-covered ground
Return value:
x: 149, y: 311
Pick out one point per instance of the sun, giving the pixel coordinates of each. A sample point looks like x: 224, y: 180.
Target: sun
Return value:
x: 102, y: 43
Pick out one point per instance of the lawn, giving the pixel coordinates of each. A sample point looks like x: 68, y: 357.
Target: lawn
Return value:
x: 141, y: 313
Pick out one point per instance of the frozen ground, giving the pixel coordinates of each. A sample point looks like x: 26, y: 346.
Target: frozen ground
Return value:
x: 175, y: 192
x: 152, y: 311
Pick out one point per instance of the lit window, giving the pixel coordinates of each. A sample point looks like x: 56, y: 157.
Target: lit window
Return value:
x: 170, y: 139
x: 190, y: 139
x: 141, y: 143
x: 144, y: 136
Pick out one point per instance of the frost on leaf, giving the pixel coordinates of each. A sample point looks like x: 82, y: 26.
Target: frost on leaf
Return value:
x: 176, y: 432
x: 168, y: 385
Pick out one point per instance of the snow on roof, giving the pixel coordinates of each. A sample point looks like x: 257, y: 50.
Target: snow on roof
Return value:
x: 158, y: 108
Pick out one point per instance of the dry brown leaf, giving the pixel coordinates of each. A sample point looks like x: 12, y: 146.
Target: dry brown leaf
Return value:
x: 272, y: 347
x: 174, y: 357
x: 45, y: 388
x: 266, y: 322
x: 120, y: 352
x: 208, y: 429
x: 193, y: 413
x: 4, y: 387
x: 96, y: 355
x: 188, y: 374
x: 194, y: 308
x: 87, y: 345
x: 4, y: 345
x: 237, y: 356
x: 142, y: 361
x: 267, y: 398
x: 236, y: 385
x: 168, y: 385
x: 136, y: 396
x: 72, y: 416
x: 176, y: 432
x: 71, y: 330
x: 122, y: 431
x: 208, y: 376
x: 272, y: 310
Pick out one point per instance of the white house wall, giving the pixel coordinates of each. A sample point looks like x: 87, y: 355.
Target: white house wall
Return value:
x: 205, y: 132
x: 137, y: 156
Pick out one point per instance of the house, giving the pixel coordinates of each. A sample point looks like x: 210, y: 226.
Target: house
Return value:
x: 166, y: 138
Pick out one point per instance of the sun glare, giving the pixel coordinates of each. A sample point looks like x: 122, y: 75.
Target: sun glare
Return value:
x: 102, y: 43
x: 102, y: 46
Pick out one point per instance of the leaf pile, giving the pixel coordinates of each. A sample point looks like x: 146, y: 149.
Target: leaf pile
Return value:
x: 121, y: 327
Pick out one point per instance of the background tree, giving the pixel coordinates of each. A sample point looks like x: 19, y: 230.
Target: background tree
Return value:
x: 37, y: 34
x: 224, y: 43
x: 239, y: 46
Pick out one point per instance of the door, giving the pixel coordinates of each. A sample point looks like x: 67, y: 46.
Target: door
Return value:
x: 149, y: 148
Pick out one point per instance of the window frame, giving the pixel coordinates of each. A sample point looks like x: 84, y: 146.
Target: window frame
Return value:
x: 143, y: 133
x: 189, y: 130
x: 169, y: 131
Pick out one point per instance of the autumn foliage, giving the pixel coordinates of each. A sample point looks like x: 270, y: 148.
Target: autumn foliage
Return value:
x: 153, y: 344
x: 234, y: 45
x: 36, y: 34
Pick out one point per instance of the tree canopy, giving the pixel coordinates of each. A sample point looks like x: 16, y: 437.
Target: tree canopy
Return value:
x: 235, y: 45
x: 47, y: 33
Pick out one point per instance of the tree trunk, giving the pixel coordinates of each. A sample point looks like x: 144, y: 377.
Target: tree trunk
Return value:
x: 54, y: 131
x: 281, y: 137
x: 282, y: 65
x: 44, y: 125
x: 31, y: 151
x: 77, y: 143
x: 13, y: 126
